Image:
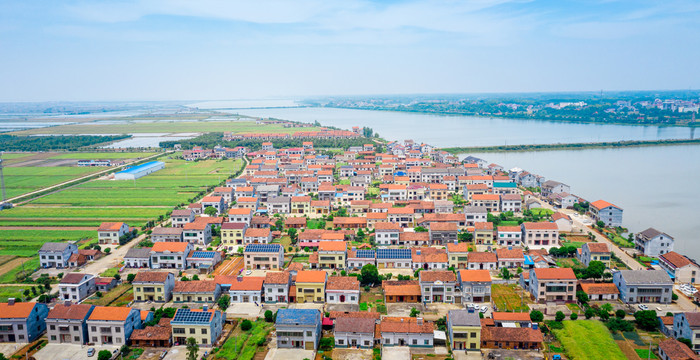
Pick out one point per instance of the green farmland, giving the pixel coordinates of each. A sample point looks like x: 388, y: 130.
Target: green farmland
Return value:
x: 27, y: 242
x: 588, y: 339
x: 21, y: 180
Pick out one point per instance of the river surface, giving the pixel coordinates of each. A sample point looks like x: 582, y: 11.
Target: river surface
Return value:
x: 656, y: 186
x: 448, y: 131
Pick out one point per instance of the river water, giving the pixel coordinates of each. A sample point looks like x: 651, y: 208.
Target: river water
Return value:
x: 656, y: 186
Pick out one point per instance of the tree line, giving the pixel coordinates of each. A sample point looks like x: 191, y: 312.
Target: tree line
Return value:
x: 48, y: 143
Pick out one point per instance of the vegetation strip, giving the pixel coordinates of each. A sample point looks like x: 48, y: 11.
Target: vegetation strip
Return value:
x: 543, y: 147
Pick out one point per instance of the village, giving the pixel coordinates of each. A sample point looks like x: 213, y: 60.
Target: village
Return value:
x: 392, y: 250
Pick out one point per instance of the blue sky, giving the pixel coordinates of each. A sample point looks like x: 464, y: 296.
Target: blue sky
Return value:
x: 215, y: 49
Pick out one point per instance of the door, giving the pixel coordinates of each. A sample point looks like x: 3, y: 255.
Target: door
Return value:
x: 401, y: 342
x: 354, y: 342
x: 342, y: 299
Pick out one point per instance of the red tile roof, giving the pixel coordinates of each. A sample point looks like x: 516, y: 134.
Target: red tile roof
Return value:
x: 475, y: 276
x: 311, y: 276
x: 343, y: 283
x: 248, y: 283
x: 112, y: 313
x: 169, y: 246
x: 437, y: 275
x: 110, y: 226
x: 401, y: 288
x: 405, y: 325
x: 540, y: 226
x: 555, y: 273
x: 602, y: 204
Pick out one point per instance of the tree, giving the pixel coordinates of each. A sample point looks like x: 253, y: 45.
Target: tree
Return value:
x: 293, y: 236
x: 104, y: 355
x: 646, y: 319
x: 246, y: 325
x: 686, y: 341
x: 224, y: 301
x: 573, y: 316
x: 268, y: 315
x: 582, y: 297
x: 620, y: 314
x: 414, y: 312
x: 192, y: 348
x: 108, y: 250
x: 595, y: 270
x: 195, y: 277
x: 603, y: 315
x: 2, y: 357
x: 441, y: 323
x: 505, y: 274
x: 369, y: 274
x: 674, y: 296
x: 465, y: 236
x: 607, y: 307
x: 210, y: 210
x: 589, y: 313
x: 536, y: 316
x: 420, y: 229
x: 130, y: 278
x: 559, y: 316
x: 600, y: 224
x: 326, y: 343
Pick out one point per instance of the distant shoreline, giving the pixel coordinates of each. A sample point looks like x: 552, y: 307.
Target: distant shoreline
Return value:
x: 571, y: 146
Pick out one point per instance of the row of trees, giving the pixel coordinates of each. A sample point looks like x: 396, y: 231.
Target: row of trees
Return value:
x: 210, y: 140
x: 46, y: 143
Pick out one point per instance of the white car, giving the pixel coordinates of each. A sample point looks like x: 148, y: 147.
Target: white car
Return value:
x: 484, y: 309
x: 248, y: 272
x: 643, y: 307
x: 472, y: 306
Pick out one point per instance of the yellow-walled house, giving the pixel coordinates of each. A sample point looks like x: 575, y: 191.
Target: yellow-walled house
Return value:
x: 311, y: 286
x: 232, y: 234
x: 331, y: 254
x: 464, y: 330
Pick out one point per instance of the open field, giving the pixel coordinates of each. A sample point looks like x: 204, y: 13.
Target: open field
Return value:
x: 27, y: 265
x: 16, y: 292
x: 588, y: 339
x: 21, y: 180
x: 244, y: 344
x: 28, y: 242
x: 162, y: 126
x: 102, y: 155
x: 507, y: 298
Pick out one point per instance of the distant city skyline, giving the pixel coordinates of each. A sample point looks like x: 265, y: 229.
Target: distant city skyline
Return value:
x: 214, y: 49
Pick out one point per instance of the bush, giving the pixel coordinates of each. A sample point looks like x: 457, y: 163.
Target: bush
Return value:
x: 536, y: 316
x: 620, y: 314
x: 268, y: 315
x: 674, y: 296
x: 646, y: 319
x: 246, y: 325
x: 573, y: 316
x: 589, y: 313
x: 414, y: 312
x: 617, y: 324
x: 559, y: 316
x: 104, y: 355
x: 326, y: 343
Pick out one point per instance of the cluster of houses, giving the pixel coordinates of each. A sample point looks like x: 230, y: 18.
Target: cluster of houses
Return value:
x: 404, y: 200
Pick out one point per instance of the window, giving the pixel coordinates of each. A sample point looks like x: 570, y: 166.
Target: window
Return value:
x: 340, y: 341
x: 426, y: 342
x: 415, y: 341
x: 204, y: 341
x: 53, y: 337
x: 204, y: 331
x: 192, y: 331
x: 52, y: 327
x: 308, y: 333
x: 94, y: 328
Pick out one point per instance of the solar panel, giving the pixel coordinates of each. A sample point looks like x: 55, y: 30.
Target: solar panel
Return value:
x: 393, y: 253
x: 203, y: 254
x: 263, y: 247
x: 364, y: 254
x: 188, y: 316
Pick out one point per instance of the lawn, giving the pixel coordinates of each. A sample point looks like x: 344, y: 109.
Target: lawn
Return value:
x: 507, y: 298
x: 111, y: 272
x: 111, y: 296
x: 645, y: 354
x: 542, y: 212
x: 16, y: 292
x: 588, y: 339
x: 244, y: 344
x: 315, y: 224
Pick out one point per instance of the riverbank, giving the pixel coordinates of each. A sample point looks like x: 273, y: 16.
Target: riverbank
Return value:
x: 571, y: 146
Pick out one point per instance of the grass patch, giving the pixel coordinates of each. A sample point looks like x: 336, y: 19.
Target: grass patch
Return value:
x: 645, y: 354
x: 363, y: 306
x: 111, y: 272
x: 111, y: 296
x: 245, y: 344
x: 315, y: 224
x: 588, y: 339
x: 16, y: 292
x: 542, y: 212
x: 574, y: 308
x: 508, y: 223
x: 102, y: 155
x: 28, y: 267
x: 28, y: 242
x: 507, y: 298
x: 24, y: 179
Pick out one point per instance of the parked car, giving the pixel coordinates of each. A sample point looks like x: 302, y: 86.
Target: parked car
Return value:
x: 91, y: 352
x: 643, y: 307
x: 484, y: 309
x: 248, y: 272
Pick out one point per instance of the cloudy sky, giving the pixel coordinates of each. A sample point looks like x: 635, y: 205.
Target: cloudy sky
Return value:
x: 215, y: 49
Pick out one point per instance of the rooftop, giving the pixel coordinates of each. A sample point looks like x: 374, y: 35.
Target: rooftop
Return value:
x: 298, y: 317
x: 463, y: 318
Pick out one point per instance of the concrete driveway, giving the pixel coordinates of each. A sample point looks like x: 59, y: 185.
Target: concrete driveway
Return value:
x: 402, y: 309
x: 244, y: 310
x: 180, y: 353
x: 69, y: 351
x: 396, y: 353
x: 352, y: 354
x: 8, y: 349
x: 289, y: 354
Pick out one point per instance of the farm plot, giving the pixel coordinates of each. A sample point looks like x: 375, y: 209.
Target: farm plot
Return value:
x: 21, y: 180
x: 28, y: 242
x: 588, y: 339
x: 102, y: 155
x: 510, y: 298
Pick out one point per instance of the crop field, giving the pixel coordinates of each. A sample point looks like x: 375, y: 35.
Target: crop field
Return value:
x: 102, y: 155
x: 508, y: 298
x: 21, y: 180
x: 160, y: 126
x: 588, y: 339
x: 28, y: 242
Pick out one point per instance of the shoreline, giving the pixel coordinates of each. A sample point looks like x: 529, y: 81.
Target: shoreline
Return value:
x: 445, y: 113
x: 571, y: 146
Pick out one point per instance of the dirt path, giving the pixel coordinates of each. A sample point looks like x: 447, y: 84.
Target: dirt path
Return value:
x: 627, y: 349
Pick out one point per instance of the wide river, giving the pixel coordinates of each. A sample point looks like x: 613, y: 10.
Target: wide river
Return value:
x: 656, y: 186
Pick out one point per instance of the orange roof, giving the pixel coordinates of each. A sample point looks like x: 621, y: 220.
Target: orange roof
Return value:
x: 598, y: 247
x: 602, y: 204
x: 311, y: 276
x: 334, y: 236
x: 555, y: 274
x: 211, y: 199
x: 111, y: 313
x: 343, y: 283
x: 460, y: 247
x: 509, y: 229
x: 481, y: 257
x: 483, y: 225
x: 437, y: 275
x: 248, y: 283
x: 401, y: 288
x: 170, y: 246
x: 249, y: 199
x: 405, y: 325
x: 18, y: 310
x: 110, y: 226
x: 443, y: 226
x: 377, y: 215
x: 255, y: 232
x: 239, y: 211
x: 486, y: 197
x: 403, y: 210
x: 599, y: 288
x: 540, y: 226
x: 475, y: 275
x: 510, y: 316
x: 332, y: 246
x: 387, y: 226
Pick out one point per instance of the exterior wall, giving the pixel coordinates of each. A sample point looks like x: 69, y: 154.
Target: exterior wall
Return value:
x: 438, y: 293
x: 611, y: 216
x: 112, y: 237
x: 245, y: 296
x: 353, y: 339
x: 349, y: 296
x: 630, y: 294
x: 57, y: 259
x: 154, y: 291
x: 476, y: 292
x: 168, y: 260
x: 113, y: 332
x: 77, y: 292
x: 654, y: 247
x: 275, y: 293
x: 464, y: 337
x: 458, y: 260
x: 394, y: 263
x: 681, y: 329
x: 301, y: 336
x: 196, y: 297
x: 264, y: 260
x: 386, y: 237
x: 552, y: 290
x: 587, y: 257
x: 540, y: 239
x: 483, y: 265
x: 137, y: 262
x: 509, y: 238
x: 405, y: 339
x: 200, y: 237
x: 331, y: 259
x: 205, y: 334
x: 24, y: 330
x: 310, y: 292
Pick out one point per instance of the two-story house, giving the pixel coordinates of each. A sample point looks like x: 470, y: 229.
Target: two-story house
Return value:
x: 464, y: 330
x: 540, y: 235
x: 311, y: 286
x: 683, y: 270
x: 553, y: 285
x: 232, y: 234
x: 154, y: 286
x: 56, y: 255
x: 457, y: 255
x: 240, y: 215
x: 644, y: 286
x: 257, y: 236
x: 387, y: 233
x: 442, y: 233
x: 475, y: 285
x: 112, y: 325
x: 204, y: 325
x: 247, y: 289
x: 22, y: 322
x: 66, y: 323
x: 438, y: 286
x: 181, y: 217
x: 652, y: 242
x: 197, y: 232
x: 264, y: 256
x: 591, y: 251
x: 276, y: 286
x: 76, y: 286
x: 170, y: 255
x: 298, y: 328
x: 406, y: 331
x: 110, y: 232
x: 332, y: 254
x: 606, y: 212
x: 343, y: 290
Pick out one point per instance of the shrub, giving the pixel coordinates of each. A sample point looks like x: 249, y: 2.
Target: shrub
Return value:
x: 559, y: 316
x: 326, y: 343
x: 246, y: 325
x: 620, y: 314
x: 573, y: 316
x: 268, y: 315
x: 536, y: 316
x: 589, y: 313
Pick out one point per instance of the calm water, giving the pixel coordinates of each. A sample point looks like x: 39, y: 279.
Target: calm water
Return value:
x: 656, y: 186
x: 446, y: 131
